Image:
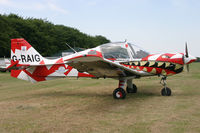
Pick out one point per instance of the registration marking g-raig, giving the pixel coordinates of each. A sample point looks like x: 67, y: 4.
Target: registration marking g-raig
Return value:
x: 27, y: 58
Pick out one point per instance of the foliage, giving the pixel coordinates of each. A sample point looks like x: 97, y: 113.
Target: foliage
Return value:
x: 198, y: 59
x: 44, y: 36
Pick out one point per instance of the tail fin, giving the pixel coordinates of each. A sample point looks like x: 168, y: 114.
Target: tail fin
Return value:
x: 23, y: 53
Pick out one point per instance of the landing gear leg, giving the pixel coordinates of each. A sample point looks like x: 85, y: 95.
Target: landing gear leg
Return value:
x: 165, y: 91
x: 131, y: 88
x: 120, y: 93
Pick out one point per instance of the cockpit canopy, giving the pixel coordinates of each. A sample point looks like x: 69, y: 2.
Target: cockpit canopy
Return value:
x: 122, y: 51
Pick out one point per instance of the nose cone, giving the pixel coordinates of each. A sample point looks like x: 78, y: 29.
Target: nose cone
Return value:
x: 189, y: 59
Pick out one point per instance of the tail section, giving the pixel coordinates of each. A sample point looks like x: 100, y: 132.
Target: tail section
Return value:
x: 28, y: 64
x: 23, y: 53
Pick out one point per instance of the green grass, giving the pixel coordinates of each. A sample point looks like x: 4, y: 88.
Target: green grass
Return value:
x: 87, y: 105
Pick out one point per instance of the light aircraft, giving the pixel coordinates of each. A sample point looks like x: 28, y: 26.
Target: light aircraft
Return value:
x: 121, y: 60
x: 4, y: 64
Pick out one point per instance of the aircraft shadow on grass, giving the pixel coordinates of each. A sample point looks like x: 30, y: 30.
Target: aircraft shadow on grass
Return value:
x: 84, y: 94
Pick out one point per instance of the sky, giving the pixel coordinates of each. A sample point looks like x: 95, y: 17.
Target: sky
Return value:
x: 158, y: 26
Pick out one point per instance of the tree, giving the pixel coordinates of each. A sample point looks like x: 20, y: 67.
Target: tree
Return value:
x: 44, y: 36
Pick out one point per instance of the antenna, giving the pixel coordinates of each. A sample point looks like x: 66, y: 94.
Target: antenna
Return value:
x: 71, y: 48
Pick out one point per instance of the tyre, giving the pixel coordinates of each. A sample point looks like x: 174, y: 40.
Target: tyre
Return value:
x: 119, y: 93
x: 166, y: 92
x: 131, y: 90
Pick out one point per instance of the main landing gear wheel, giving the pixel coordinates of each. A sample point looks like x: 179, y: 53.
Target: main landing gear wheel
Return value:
x: 166, y: 92
x: 131, y: 90
x: 119, y: 93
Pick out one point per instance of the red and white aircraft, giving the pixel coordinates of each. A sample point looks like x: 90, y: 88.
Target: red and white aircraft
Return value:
x: 122, y: 61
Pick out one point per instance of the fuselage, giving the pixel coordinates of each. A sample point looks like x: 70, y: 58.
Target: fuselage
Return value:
x: 134, y: 57
x: 111, y: 60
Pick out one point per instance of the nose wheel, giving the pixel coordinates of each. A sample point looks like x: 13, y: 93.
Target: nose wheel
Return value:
x: 165, y: 91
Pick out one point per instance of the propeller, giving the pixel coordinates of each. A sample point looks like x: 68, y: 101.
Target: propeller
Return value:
x: 186, y: 50
x: 187, y: 55
x: 188, y: 58
x: 188, y: 67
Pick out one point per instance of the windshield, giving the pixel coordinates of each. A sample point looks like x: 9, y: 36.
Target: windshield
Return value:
x: 115, y: 51
x: 122, y: 51
x: 137, y: 51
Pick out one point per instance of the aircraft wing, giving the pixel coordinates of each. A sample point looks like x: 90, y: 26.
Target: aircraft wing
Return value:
x: 101, y: 67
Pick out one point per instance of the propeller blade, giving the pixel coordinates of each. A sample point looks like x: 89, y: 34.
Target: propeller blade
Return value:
x: 186, y: 50
x: 188, y: 68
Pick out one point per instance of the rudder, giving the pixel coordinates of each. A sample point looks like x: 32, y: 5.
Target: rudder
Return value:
x: 24, y: 53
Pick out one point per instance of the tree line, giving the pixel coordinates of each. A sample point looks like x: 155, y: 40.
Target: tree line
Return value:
x: 198, y: 59
x: 46, y: 37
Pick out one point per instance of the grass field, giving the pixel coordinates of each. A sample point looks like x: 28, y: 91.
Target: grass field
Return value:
x: 87, y: 105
